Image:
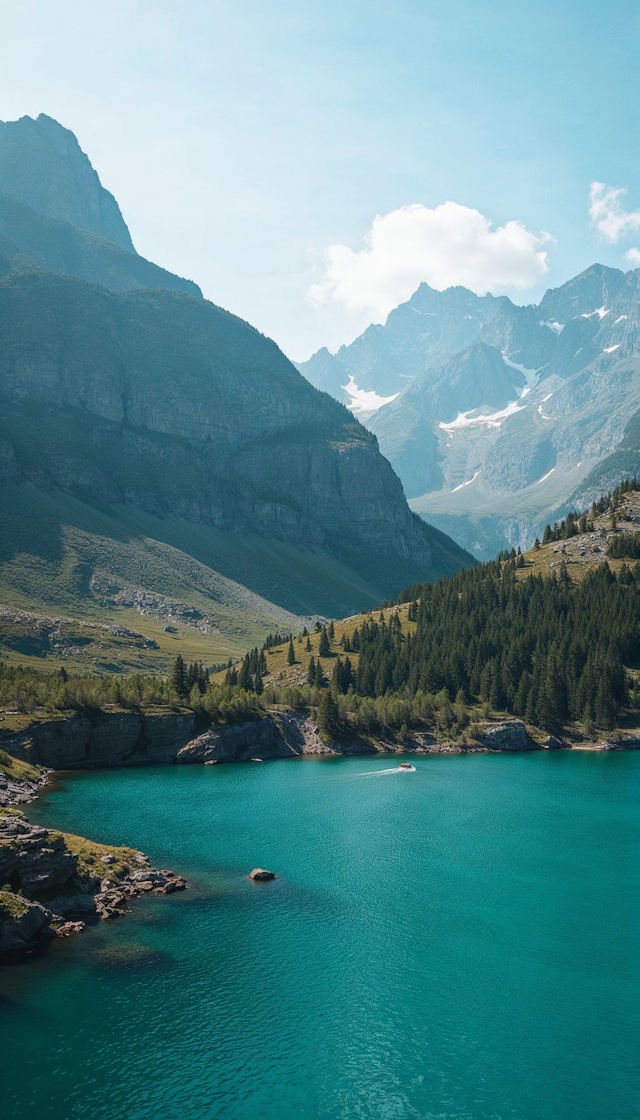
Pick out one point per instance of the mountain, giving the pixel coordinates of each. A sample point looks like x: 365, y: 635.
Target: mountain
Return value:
x: 43, y: 166
x: 28, y: 240
x: 54, y: 212
x: 494, y: 439
x: 423, y: 331
x: 147, y: 415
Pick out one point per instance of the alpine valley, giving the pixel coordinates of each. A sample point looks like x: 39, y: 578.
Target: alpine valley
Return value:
x: 500, y: 418
x: 158, y: 455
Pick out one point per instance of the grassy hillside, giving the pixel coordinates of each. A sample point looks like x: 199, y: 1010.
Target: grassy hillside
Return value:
x: 117, y: 567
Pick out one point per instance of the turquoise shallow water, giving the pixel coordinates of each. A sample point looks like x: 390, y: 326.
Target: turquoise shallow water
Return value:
x: 452, y: 943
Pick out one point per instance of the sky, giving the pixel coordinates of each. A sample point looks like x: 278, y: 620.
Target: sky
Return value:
x: 308, y: 164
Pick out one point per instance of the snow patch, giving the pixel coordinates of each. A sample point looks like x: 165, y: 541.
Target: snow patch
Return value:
x: 599, y: 311
x: 544, y: 476
x: 544, y: 401
x: 530, y: 375
x: 557, y: 327
x: 365, y: 400
x: 610, y: 349
x: 620, y: 318
x: 467, y: 483
x: 490, y: 420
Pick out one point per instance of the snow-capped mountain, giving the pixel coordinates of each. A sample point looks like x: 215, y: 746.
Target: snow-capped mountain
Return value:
x: 493, y: 437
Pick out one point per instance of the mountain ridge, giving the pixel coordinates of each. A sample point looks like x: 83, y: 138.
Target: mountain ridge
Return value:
x: 539, y: 389
x: 156, y: 402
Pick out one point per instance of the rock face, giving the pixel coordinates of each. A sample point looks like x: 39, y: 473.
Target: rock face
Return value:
x: 279, y: 735
x: 43, y: 166
x: 21, y: 921
x: 510, y: 736
x: 140, y: 388
x: 115, y: 740
x: 261, y: 451
x: 35, y: 859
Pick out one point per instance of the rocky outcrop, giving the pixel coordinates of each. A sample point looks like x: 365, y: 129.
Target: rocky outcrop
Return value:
x: 20, y: 791
x: 259, y: 875
x: 278, y: 735
x: 21, y: 921
x: 90, y: 881
x: 34, y: 859
x: 510, y: 736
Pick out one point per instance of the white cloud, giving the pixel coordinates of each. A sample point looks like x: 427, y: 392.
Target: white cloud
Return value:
x: 448, y: 245
x: 633, y: 256
x: 609, y: 216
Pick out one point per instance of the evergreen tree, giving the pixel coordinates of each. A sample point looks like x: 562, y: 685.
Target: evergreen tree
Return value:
x: 605, y: 708
x: 328, y: 715
x: 323, y: 646
x: 179, y: 677
x: 332, y: 631
x: 320, y: 681
x: 311, y: 671
x: 244, y: 676
x: 308, y: 645
x: 291, y: 656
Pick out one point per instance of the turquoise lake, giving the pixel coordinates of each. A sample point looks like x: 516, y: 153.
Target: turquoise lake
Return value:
x: 458, y: 942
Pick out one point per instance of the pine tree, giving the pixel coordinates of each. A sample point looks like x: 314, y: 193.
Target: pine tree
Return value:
x: 311, y: 671
x: 332, y: 631
x: 291, y: 656
x: 323, y: 647
x: 308, y: 645
x: 328, y: 715
x: 179, y: 677
x: 244, y: 676
x: 605, y: 708
x: 257, y: 684
x: 320, y: 681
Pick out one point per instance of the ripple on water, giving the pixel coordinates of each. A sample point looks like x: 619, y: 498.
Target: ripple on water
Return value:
x: 457, y: 945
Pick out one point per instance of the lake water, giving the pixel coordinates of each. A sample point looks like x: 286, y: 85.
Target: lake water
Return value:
x: 456, y: 942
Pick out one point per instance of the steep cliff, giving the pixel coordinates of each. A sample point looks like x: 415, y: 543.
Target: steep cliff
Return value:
x: 174, y: 406
x: 43, y: 166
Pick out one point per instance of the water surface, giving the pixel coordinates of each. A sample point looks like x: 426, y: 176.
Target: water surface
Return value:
x: 451, y: 943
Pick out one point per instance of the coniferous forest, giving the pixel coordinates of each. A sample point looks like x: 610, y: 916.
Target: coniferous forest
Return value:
x: 548, y: 649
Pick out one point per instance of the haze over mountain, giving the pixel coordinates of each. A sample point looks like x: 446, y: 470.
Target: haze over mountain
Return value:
x: 499, y: 412
x: 145, y: 412
x: 55, y: 212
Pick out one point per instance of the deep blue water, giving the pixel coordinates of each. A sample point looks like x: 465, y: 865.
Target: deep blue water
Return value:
x: 457, y: 943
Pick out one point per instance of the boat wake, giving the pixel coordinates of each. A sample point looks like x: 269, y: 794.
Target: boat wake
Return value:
x: 403, y: 769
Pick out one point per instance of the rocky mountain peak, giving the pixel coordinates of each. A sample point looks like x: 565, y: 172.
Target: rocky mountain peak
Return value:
x: 598, y: 287
x: 43, y: 166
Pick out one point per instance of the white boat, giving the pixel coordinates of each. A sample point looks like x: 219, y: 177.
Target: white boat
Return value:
x: 406, y: 766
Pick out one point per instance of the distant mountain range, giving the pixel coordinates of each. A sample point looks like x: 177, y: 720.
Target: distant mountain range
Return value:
x: 135, y: 412
x: 498, y: 417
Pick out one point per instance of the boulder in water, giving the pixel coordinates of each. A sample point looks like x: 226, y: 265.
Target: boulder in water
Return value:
x: 259, y: 875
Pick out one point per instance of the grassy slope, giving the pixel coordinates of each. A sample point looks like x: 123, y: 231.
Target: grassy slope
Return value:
x: 53, y: 545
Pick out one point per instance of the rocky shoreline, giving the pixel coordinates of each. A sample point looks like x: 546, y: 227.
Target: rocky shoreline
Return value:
x: 149, y: 738
x: 52, y: 883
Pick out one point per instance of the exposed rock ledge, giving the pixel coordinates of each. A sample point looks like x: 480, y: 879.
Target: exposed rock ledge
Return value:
x: 60, y: 876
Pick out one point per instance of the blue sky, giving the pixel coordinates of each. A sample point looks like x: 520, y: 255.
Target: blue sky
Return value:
x: 243, y: 139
